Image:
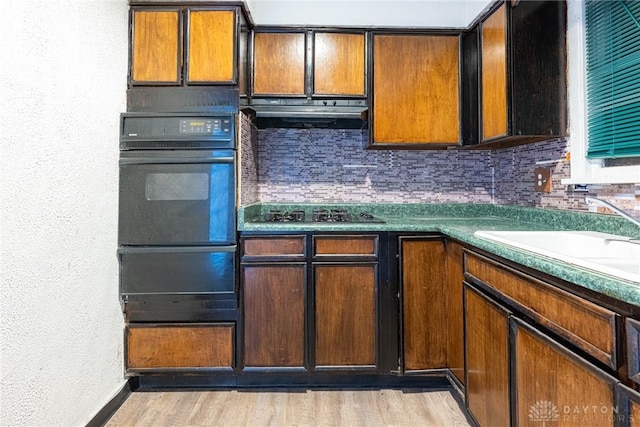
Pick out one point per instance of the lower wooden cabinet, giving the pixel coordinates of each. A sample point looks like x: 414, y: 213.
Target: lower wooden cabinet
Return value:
x: 424, y: 303
x: 310, y: 301
x: 274, y: 315
x: 345, y: 315
x: 183, y: 346
x: 628, y: 414
x: 487, y: 359
x: 554, y: 385
x: 454, y: 276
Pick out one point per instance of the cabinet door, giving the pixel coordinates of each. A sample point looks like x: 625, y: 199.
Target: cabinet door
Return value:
x: 339, y: 64
x: 494, y: 74
x: 181, y: 346
x: 554, y: 385
x: 211, y: 46
x: 279, y: 64
x: 455, y: 320
x: 628, y: 406
x: 424, y: 303
x: 487, y: 364
x: 274, y: 325
x: 415, y: 89
x: 156, y: 46
x: 345, y: 315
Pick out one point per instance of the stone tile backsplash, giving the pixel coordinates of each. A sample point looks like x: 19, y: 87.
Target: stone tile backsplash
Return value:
x: 331, y: 166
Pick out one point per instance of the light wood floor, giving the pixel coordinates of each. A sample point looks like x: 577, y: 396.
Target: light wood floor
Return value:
x: 291, y: 408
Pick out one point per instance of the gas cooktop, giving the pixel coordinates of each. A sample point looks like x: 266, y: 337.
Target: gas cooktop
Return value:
x: 324, y: 216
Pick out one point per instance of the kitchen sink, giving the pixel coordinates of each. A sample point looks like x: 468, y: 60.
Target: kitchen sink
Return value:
x: 609, y: 254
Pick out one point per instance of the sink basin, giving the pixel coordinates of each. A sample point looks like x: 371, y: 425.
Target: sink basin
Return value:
x: 605, y: 253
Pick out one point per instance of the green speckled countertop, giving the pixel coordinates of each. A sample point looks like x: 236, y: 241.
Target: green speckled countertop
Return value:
x: 460, y: 221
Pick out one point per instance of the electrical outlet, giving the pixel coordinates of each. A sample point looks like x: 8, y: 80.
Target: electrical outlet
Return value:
x: 542, y: 180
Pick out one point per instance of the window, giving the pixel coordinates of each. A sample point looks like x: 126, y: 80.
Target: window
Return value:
x: 591, y: 124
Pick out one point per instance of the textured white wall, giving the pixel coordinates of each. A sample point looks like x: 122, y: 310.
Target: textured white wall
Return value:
x: 63, y: 76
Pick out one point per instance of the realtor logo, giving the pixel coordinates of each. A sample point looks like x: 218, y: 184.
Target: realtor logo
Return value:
x: 543, y: 411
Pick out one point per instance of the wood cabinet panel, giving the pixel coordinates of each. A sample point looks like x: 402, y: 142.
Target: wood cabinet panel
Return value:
x: 156, y: 46
x: 345, y: 315
x: 346, y: 245
x: 274, y: 315
x: 179, y: 346
x: 279, y: 64
x: 211, y: 43
x: 273, y: 246
x: 424, y: 304
x: 487, y: 364
x: 549, y: 379
x: 415, y: 89
x: 494, y: 74
x: 585, y: 324
x: 455, y: 321
x: 628, y: 406
x: 339, y: 64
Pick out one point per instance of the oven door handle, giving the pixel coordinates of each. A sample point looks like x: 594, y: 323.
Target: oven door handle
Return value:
x: 175, y: 161
x: 123, y: 250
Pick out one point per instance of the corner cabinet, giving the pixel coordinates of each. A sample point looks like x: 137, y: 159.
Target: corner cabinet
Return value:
x: 415, y: 91
x: 181, y: 46
x: 522, y: 72
x: 424, y: 303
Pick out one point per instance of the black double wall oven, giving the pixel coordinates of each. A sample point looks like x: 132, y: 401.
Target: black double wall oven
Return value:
x: 177, y: 219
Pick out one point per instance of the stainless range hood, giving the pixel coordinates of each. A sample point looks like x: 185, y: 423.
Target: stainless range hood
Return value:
x: 306, y: 113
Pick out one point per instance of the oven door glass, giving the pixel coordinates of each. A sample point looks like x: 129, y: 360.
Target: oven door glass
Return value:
x: 177, y: 270
x: 181, y: 200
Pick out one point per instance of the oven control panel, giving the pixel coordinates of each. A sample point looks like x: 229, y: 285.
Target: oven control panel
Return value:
x: 205, y: 126
x: 176, y: 130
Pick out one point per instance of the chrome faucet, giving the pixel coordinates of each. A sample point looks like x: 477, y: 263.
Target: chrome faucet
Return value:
x: 597, y: 202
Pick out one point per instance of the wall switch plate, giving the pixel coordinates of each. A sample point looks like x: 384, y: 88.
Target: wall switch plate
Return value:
x: 542, y: 180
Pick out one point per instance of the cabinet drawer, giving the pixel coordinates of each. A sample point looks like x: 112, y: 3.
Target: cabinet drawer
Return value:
x: 586, y: 325
x: 346, y: 246
x: 179, y: 346
x: 261, y: 247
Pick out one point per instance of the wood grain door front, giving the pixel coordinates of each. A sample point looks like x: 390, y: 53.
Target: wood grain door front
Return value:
x: 556, y: 386
x: 156, y: 49
x: 455, y: 319
x: 339, y: 64
x: 345, y: 315
x: 211, y: 46
x: 179, y: 346
x: 415, y: 89
x: 487, y: 365
x: 279, y: 64
x: 424, y: 304
x: 274, y: 323
x: 494, y: 74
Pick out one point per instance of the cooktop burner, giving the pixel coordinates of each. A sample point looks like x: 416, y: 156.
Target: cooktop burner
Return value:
x: 320, y: 216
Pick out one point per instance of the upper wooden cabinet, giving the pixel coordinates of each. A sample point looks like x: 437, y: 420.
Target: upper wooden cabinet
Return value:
x: 339, y: 64
x: 279, y: 63
x: 186, y: 46
x: 309, y: 64
x: 156, y: 46
x: 522, y: 72
x: 416, y: 97
x: 211, y: 43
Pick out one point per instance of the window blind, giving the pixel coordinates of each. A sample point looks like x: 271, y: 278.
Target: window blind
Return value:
x: 613, y: 78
